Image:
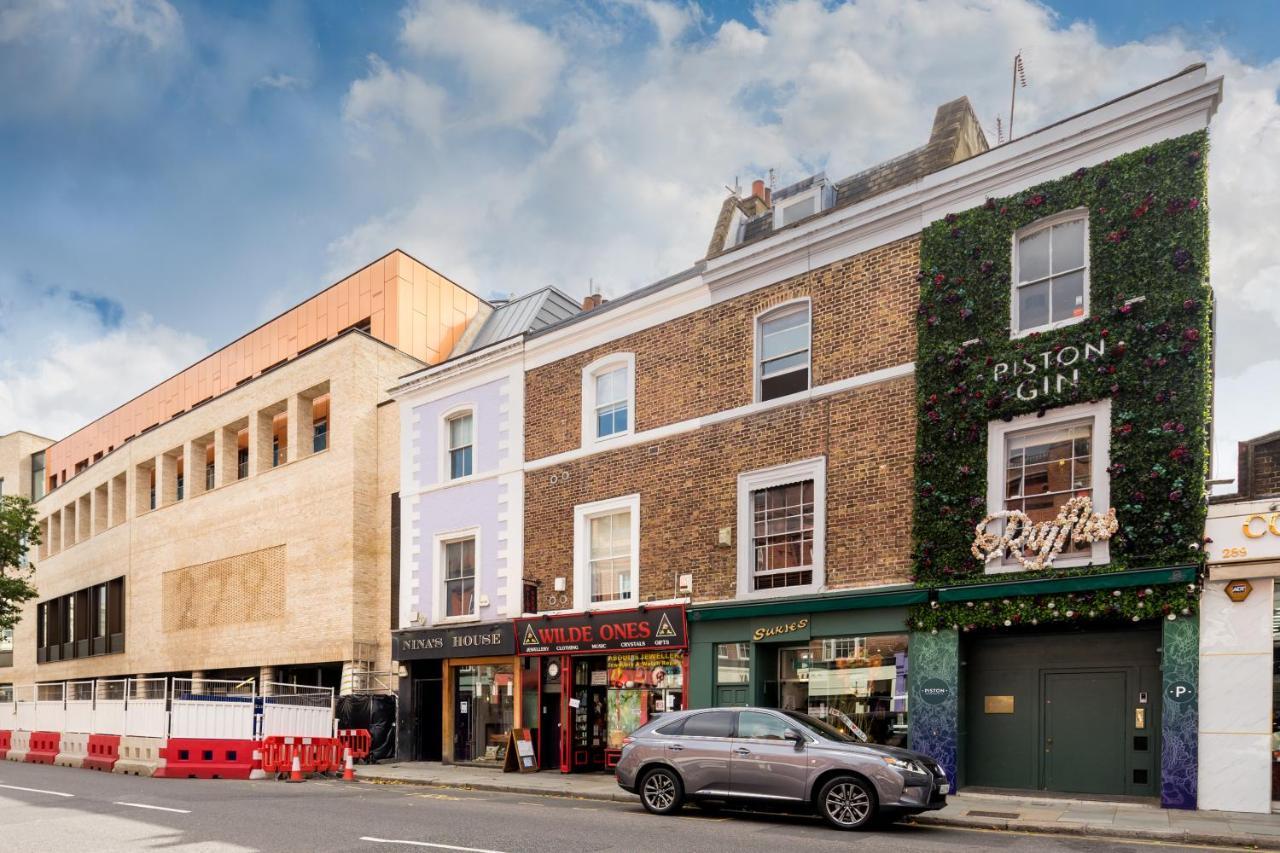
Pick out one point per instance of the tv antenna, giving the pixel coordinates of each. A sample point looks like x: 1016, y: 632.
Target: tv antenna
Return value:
x: 736, y: 189
x: 999, y: 130
x: 1019, y: 77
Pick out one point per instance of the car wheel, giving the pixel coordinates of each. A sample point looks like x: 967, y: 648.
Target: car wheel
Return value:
x: 847, y: 802
x: 661, y: 791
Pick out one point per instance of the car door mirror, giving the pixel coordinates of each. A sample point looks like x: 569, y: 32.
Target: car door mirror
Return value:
x: 794, y: 736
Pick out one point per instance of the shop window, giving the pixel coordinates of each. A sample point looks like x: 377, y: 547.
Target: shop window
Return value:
x: 607, y: 553
x: 460, y: 433
x: 782, y: 351
x: 733, y: 663
x: 460, y: 578
x: 642, y: 687
x: 608, y: 398
x: 781, y: 522
x: 858, y: 685
x: 484, y: 712
x: 710, y: 724
x: 1051, y: 274
x: 1037, y: 463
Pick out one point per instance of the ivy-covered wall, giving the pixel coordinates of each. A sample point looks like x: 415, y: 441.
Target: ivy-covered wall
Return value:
x: 1145, y: 345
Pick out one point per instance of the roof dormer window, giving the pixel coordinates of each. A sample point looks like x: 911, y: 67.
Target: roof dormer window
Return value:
x: 803, y: 199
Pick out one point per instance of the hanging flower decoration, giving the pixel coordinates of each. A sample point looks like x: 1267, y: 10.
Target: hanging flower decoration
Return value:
x: 1036, y: 544
x: 1167, y: 602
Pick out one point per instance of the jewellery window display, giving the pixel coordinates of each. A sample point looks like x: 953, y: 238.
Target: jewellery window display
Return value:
x: 642, y: 686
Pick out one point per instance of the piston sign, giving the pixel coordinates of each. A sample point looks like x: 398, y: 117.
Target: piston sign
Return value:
x: 603, y: 631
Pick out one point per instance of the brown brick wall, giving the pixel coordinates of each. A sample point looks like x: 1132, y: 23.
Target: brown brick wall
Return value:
x: 863, y: 320
x: 688, y: 491
x: 1264, y: 478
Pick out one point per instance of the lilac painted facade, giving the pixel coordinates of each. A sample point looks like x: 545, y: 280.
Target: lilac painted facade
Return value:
x: 485, y: 506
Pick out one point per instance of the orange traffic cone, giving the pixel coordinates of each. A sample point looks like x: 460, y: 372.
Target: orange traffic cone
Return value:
x: 295, y: 773
x: 348, y: 771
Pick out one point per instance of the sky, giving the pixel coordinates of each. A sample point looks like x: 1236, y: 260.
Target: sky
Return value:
x: 173, y: 173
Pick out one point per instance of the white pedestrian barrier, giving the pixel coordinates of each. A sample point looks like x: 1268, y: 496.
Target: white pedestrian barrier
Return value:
x: 140, y: 756
x: 19, y: 746
x: 73, y: 749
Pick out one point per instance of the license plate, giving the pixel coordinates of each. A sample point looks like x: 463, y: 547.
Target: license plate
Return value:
x: 944, y: 788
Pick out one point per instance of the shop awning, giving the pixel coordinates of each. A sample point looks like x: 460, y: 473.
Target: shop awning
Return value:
x: 835, y: 601
x: 1055, y: 586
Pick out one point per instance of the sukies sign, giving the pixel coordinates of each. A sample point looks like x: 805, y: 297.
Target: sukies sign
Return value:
x: 1049, y: 373
x: 456, y: 642
x: 603, y: 631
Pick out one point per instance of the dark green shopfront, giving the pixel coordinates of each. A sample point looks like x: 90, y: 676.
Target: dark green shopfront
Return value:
x: 1105, y: 707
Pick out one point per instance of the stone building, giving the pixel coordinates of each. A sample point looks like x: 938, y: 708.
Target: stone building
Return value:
x: 233, y: 521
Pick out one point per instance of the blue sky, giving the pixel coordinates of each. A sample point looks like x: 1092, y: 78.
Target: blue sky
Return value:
x: 174, y: 172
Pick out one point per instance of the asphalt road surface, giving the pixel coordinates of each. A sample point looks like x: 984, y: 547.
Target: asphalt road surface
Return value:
x: 54, y: 809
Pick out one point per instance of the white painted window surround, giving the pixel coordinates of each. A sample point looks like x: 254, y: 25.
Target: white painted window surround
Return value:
x: 1050, y: 273
x: 444, y: 446
x: 783, y: 348
x: 583, y: 517
x: 752, y: 481
x: 608, y: 366
x: 439, y: 541
x: 1001, y: 434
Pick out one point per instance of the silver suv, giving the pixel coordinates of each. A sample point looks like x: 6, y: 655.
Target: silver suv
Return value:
x: 764, y: 757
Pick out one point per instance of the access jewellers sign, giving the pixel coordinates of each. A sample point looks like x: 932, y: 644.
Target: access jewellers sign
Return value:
x: 460, y: 641
x: 603, y: 631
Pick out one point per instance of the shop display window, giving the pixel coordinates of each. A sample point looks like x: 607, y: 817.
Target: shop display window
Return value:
x: 484, y: 711
x: 733, y: 663
x: 856, y: 684
x: 640, y: 687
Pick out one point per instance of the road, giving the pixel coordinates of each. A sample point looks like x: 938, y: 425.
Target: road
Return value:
x: 55, y: 809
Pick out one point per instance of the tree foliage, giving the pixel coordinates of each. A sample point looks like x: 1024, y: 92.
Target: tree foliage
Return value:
x: 18, y: 533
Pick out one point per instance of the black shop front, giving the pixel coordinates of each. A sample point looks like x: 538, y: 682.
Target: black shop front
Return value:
x: 597, y: 676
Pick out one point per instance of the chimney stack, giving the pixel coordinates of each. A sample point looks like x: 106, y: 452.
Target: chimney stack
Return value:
x: 759, y: 191
x: 592, y: 300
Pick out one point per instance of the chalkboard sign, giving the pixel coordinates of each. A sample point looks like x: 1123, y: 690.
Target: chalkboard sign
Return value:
x: 520, y: 756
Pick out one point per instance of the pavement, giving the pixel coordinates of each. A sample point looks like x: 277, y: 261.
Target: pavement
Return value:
x: 989, y: 812
x: 57, y: 809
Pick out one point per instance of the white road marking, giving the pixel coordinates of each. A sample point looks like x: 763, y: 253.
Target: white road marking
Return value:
x: 36, y: 790
x: 428, y: 844
x: 155, y: 808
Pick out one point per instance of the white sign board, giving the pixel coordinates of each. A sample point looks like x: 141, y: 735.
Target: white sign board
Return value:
x: 1242, y: 532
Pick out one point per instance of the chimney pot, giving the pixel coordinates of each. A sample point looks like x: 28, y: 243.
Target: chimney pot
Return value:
x: 592, y: 300
x: 757, y: 190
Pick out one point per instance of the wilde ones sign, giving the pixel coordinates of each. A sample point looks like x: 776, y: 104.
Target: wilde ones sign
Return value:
x: 1047, y: 373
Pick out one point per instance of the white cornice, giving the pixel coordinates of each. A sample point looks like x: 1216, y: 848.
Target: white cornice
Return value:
x: 462, y: 368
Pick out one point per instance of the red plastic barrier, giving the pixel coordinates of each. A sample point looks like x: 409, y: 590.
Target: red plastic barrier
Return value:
x: 104, y: 752
x: 44, y: 747
x: 357, y: 740
x: 315, y: 754
x: 6, y: 740
x: 198, y: 758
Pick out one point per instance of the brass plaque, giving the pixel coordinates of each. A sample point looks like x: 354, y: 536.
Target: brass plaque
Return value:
x: 1139, y: 718
x: 997, y: 704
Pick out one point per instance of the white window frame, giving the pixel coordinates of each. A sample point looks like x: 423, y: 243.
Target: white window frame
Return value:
x: 438, y: 543
x: 757, y: 350
x: 752, y: 481
x: 998, y: 433
x: 589, y: 373
x: 1081, y: 213
x: 733, y: 235
x: 822, y: 192
x: 582, y: 515
x: 442, y: 442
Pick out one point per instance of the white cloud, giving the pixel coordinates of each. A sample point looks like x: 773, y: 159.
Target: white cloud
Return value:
x: 280, y: 81
x: 57, y: 376
x: 511, y: 66
x: 627, y: 182
x: 394, y: 101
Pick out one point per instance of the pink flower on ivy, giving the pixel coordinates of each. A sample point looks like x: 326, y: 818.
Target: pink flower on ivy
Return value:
x: 1036, y: 200
x: 1175, y: 495
x: 1179, y: 453
x: 1191, y: 334
x: 939, y: 278
x: 1118, y: 235
x: 1193, y: 204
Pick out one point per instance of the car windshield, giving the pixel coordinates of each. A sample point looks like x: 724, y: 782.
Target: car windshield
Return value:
x: 822, y: 729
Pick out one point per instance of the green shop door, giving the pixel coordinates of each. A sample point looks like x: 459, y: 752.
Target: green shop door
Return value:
x: 1084, y: 725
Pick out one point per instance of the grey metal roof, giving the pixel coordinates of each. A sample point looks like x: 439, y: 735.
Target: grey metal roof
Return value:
x: 527, y: 313
x: 625, y: 299
x: 799, y: 186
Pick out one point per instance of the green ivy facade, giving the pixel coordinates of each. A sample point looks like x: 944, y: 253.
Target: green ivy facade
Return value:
x: 1144, y: 345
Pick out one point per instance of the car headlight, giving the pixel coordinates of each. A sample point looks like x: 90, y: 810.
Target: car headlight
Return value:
x: 907, y: 766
